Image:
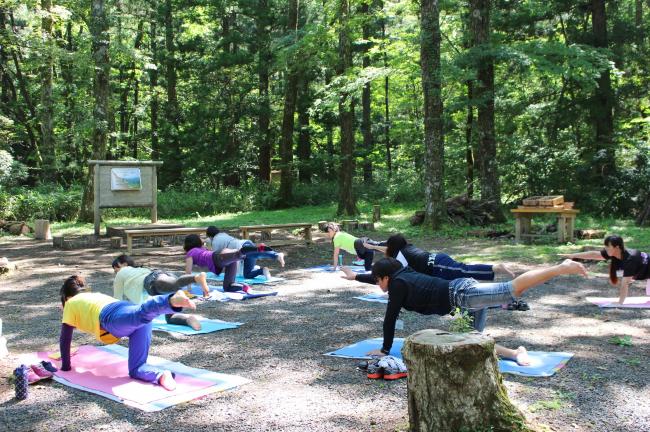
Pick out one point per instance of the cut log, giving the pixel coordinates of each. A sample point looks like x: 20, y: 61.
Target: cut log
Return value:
x: 590, y: 234
x: 42, y: 229
x: 19, y: 228
x: 368, y: 226
x: 89, y: 240
x: 417, y: 218
x: 57, y: 242
x: 350, y: 224
x: 454, y: 384
x: 376, y: 213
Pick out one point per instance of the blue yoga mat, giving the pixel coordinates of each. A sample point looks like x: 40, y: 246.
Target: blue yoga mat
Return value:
x: 328, y: 269
x: 241, y: 279
x: 207, y: 326
x: 359, y: 349
x: 217, y: 293
x: 542, y: 364
x: 374, y: 297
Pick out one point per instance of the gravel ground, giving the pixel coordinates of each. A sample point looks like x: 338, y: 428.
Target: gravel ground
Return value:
x: 280, y: 346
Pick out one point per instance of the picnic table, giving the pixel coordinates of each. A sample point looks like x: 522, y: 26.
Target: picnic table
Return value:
x: 160, y: 232
x: 306, y: 227
x: 523, y: 221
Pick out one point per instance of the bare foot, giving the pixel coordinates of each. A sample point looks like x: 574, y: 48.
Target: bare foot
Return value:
x: 522, y: 358
x: 193, y: 322
x: 180, y: 299
x: 202, y: 279
x: 281, y: 259
x: 349, y: 274
x: 266, y: 273
x: 501, y: 268
x: 574, y: 267
x: 167, y: 381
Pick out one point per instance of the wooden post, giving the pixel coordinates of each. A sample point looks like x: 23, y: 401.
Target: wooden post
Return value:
x: 244, y: 233
x: 454, y: 384
x: 376, y: 213
x: 129, y: 244
x: 308, y: 234
x: 561, y: 228
x: 98, y: 211
x: 517, y: 228
x: 42, y: 229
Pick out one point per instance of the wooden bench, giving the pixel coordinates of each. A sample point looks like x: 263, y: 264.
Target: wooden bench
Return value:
x: 160, y: 232
x: 268, y: 228
x: 565, y: 222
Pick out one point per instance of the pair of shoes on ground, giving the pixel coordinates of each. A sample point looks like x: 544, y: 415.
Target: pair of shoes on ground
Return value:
x: 518, y: 305
x: 387, y: 367
x: 39, y: 371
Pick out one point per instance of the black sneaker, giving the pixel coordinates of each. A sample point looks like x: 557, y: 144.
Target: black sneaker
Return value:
x: 518, y: 305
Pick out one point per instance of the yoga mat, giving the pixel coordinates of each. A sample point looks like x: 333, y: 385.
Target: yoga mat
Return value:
x: 104, y: 371
x: 328, y: 269
x: 612, y: 302
x: 241, y: 279
x: 374, y: 297
x: 207, y: 326
x: 542, y: 364
x: 217, y: 294
x: 358, y: 350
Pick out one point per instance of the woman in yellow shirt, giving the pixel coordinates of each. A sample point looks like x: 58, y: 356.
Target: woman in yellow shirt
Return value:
x: 109, y: 320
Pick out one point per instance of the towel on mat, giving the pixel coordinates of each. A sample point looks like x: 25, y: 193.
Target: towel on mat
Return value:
x: 612, y: 302
x: 374, y: 297
x: 328, y: 269
x: 103, y: 370
x: 207, y: 326
x: 241, y: 279
x: 217, y: 293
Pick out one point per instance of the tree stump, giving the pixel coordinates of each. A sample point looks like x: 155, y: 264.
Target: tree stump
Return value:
x: 19, y: 228
x: 349, y: 225
x: 57, y: 242
x: 368, y: 226
x: 376, y: 213
x: 42, y: 229
x: 454, y: 384
x: 89, y: 240
x: 116, y: 242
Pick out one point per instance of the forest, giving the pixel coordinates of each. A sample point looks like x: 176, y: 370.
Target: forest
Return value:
x: 287, y: 103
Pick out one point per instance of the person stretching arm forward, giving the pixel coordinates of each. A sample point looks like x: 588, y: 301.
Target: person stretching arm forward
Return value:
x: 626, y: 265
x: 429, y: 295
x: 109, y: 320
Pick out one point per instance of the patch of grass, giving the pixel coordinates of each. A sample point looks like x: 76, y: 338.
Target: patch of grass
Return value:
x: 631, y: 361
x: 462, y: 322
x: 622, y: 341
x: 558, y: 401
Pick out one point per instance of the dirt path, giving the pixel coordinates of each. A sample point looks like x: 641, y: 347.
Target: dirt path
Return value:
x: 280, y: 346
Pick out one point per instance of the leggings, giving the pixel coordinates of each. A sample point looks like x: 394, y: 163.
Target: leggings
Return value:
x: 366, y: 254
x: 159, y: 282
x: 253, y: 253
x: 124, y: 319
x: 443, y: 266
x: 228, y: 262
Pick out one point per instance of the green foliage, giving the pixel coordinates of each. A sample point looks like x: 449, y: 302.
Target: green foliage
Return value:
x: 622, y: 341
x: 462, y: 322
x: 45, y: 202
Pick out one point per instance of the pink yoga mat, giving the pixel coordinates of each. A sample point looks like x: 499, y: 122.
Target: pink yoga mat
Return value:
x: 104, y: 371
x: 612, y: 302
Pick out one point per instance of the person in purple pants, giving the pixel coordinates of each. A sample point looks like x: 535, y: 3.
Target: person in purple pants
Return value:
x: 216, y: 262
x: 109, y: 320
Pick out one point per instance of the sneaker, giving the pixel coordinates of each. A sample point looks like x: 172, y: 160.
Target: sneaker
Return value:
x: 32, y: 377
x: 394, y: 368
x: 518, y: 305
x: 374, y: 370
x: 48, y: 366
x: 41, y: 371
x: 358, y: 262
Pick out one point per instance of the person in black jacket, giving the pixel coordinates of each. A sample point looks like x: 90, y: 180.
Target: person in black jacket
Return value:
x: 430, y: 295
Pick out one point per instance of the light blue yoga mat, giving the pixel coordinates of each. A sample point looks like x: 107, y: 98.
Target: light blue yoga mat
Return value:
x: 217, y: 293
x: 328, y: 269
x: 207, y: 326
x: 359, y: 349
x: 241, y: 279
x: 542, y: 364
x: 374, y: 297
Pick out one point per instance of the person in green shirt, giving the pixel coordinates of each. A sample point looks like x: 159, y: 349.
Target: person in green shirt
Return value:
x: 351, y: 244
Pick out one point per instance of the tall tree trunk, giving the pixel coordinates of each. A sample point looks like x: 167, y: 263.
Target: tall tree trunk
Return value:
x: 347, y: 202
x: 100, y: 44
x: 603, y: 154
x: 433, y: 133
x: 484, y: 92
x: 154, y: 106
x: 366, y: 98
x: 469, y: 151
x: 304, y: 136
x: 638, y: 21
x: 70, y: 150
x: 172, y: 168
x: 389, y: 159
x: 290, y: 94
x: 262, y: 29
x: 46, y: 111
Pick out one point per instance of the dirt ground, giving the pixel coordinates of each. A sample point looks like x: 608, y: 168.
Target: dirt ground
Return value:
x: 280, y: 349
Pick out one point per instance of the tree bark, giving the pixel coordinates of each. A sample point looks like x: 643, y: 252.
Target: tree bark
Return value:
x: 469, y: 142
x: 433, y: 133
x: 46, y: 111
x: 454, y: 384
x: 389, y: 159
x: 347, y: 202
x: 290, y: 94
x: 366, y: 98
x: 154, y: 106
x: 262, y: 25
x: 484, y: 92
x: 100, y: 44
x: 304, y: 136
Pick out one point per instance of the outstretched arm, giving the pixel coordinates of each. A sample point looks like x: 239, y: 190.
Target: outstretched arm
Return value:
x: 623, y: 288
x: 65, y: 340
x: 335, y: 257
x: 589, y: 255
